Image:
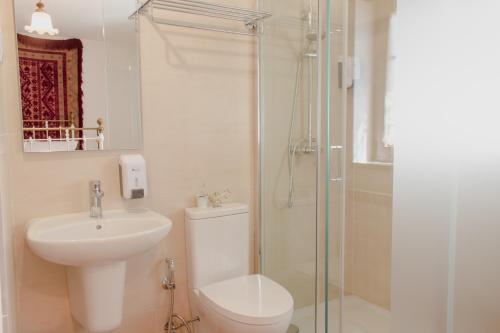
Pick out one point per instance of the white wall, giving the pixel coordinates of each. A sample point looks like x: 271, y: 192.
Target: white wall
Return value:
x: 94, y: 86
x: 122, y: 90
x: 122, y: 75
x: 447, y: 168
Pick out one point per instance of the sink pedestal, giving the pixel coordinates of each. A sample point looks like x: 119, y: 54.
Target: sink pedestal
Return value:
x: 96, y: 257
x: 96, y: 295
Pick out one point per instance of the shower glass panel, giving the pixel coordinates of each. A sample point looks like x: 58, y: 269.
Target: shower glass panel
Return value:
x: 288, y: 151
x: 358, y: 165
x: 334, y: 130
x: 325, y: 160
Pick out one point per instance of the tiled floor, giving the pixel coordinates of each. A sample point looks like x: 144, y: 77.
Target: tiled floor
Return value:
x: 359, y: 316
x: 300, y: 282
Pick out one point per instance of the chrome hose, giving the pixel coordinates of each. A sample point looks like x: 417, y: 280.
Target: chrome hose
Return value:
x: 169, y: 284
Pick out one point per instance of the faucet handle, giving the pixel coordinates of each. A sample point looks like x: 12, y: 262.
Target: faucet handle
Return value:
x: 95, y: 187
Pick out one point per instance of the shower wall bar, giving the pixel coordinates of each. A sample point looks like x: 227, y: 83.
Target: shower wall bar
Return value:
x: 157, y: 9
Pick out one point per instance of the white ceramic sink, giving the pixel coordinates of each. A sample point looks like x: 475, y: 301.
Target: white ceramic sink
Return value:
x: 78, y: 240
x: 95, y: 253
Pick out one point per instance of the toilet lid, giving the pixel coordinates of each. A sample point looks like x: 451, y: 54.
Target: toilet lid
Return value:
x: 252, y: 299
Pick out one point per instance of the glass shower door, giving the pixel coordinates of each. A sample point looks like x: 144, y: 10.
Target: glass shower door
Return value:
x: 357, y: 166
x: 288, y: 136
x: 334, y: 170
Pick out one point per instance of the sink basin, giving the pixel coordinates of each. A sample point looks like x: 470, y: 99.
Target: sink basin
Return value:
x: 78, y: 240
x: 95, y: 253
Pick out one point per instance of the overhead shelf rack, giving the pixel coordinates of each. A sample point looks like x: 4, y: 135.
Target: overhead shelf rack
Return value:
x: 157, y: 11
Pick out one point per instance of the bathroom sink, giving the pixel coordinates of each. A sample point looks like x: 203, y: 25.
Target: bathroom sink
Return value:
x: 95, y: 253
x: 78, y: 240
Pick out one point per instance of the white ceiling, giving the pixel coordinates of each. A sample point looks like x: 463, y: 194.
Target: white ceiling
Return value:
x: 77, y: 18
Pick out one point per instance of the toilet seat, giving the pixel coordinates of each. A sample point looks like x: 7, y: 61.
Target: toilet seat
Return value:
x: 252, y: 299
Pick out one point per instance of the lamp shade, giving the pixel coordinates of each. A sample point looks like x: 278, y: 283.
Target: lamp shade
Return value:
x: 41, y: 22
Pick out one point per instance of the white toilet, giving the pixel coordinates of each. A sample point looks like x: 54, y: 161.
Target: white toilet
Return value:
x: 222, y: 293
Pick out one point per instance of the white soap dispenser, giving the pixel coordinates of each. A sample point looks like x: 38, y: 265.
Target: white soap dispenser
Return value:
x: 133, y: 176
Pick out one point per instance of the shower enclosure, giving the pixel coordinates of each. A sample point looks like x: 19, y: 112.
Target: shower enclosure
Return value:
x: 325, y: 171
x: 364, y: 247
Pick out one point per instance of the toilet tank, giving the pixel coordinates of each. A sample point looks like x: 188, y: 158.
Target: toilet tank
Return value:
x: 218, y: 243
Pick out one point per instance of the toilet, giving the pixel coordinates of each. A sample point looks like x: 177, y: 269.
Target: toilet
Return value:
x: 222, y: 292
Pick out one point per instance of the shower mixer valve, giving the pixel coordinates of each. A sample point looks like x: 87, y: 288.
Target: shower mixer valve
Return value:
x: 303, y: 147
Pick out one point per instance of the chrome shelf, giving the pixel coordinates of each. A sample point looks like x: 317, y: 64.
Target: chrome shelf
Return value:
x: 156, y: 10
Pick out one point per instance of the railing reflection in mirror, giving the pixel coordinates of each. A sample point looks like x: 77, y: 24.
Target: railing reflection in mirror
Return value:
x: 65, y: 136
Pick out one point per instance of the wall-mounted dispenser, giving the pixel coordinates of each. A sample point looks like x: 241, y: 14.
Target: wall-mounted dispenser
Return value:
x: 133, y: 177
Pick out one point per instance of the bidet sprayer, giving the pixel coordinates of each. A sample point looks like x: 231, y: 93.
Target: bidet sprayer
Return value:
x: 169, y: 281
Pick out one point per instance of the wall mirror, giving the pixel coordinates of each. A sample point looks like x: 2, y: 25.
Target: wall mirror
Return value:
x: 79, y: 75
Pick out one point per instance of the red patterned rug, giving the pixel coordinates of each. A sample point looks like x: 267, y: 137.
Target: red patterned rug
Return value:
x: 51, y: 83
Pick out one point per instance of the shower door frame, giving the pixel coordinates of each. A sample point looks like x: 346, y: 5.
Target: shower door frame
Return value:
x: 324, y: 163
x: 335, y: 161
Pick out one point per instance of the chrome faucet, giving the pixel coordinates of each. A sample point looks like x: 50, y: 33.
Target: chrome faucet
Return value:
x: 95, y: 196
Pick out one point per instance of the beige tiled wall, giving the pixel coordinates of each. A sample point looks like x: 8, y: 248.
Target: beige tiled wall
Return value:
x: 199, y: 121
x: 368, y: 222
x: 199, y: 116
x: 368, y: 233
x: 7, y: 304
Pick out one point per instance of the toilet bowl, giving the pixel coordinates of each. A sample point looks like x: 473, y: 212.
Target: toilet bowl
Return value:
x: 248, y: 304
x: 223, y: 293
